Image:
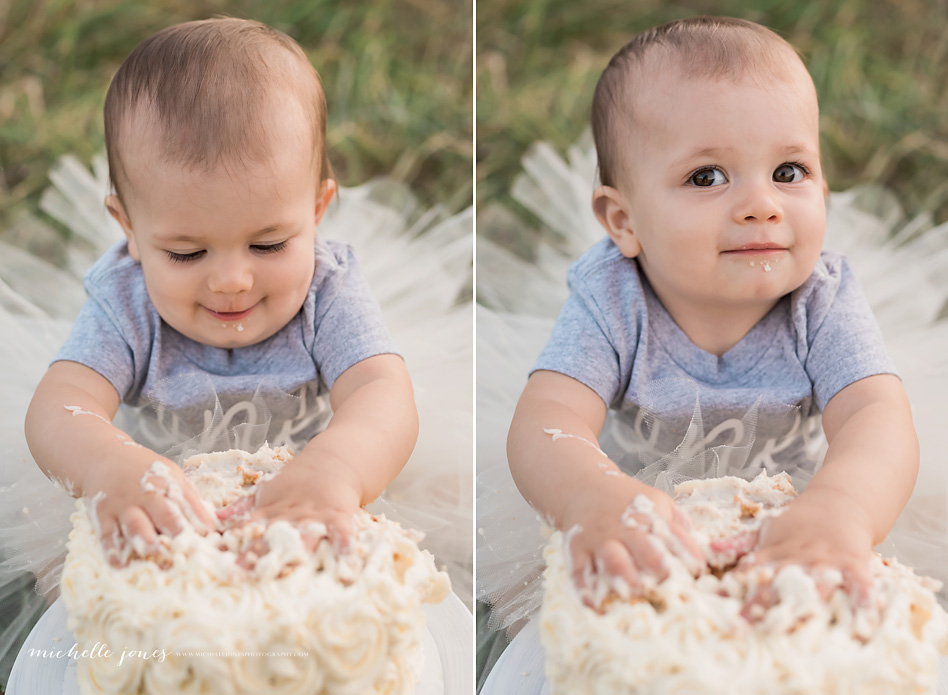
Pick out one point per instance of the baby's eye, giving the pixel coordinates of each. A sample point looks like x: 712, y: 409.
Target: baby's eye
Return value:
x: 184, y: 257
x: 707, y: 177
x: 789, y: 173
x: 269, y: 248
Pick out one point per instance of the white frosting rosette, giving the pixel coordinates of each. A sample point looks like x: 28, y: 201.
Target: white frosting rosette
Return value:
x: 186, y: 618
x: 687, y: 635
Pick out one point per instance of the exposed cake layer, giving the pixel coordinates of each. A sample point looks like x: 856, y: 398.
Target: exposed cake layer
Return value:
x: 687, y: 635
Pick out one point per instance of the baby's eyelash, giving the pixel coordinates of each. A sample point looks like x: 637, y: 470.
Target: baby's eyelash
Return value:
x: 194, y: 255
x: 269, y: 248
x: 184, y: 257
x: 791, y: 172
x: 712, y: 169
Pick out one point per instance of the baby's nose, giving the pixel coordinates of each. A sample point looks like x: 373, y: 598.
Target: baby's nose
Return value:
x: 758, y: 204
x: 230, y: 276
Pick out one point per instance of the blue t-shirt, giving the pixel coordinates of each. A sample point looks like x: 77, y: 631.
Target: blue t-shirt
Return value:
x: 677, y: 402
x: 279, y: 381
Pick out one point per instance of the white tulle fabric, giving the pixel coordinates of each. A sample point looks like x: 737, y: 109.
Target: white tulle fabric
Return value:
x: 418, y: 264
x: 902, y: 265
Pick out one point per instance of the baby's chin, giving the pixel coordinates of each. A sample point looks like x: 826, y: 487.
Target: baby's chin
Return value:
x: 756, y: 280
x: 226, y: 334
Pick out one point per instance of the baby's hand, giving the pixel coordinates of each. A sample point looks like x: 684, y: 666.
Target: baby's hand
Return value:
x: 302, y: 493
x: 819, y: 531
x: 614, y: 543
x: 135, y: 502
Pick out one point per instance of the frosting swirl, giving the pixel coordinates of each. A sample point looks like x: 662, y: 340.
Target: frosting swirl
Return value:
x: 687, y: 635
x: 186, y: 618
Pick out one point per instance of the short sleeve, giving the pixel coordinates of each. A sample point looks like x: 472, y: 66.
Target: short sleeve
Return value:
x: 96, y: 342
x: 349, y: 326
x: 580, y: 348
x: 844, y: 343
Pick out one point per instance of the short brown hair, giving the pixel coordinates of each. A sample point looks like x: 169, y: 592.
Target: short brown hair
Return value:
x: 208, y: 84
x: 701, y: 47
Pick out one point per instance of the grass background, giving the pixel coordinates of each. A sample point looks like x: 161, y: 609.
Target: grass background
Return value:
x: 398, y: 76
x: 880, y: 67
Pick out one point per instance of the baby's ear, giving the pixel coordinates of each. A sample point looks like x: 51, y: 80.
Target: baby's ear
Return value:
x: 327, y: 189
x: 117, y: 210
x: 611, y: 209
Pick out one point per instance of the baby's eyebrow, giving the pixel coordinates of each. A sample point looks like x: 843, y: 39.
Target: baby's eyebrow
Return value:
x: 703, y: 153
x: 709, y: 152
x: 797, y: 149
x: 716, y: 152
x: 189, y: 238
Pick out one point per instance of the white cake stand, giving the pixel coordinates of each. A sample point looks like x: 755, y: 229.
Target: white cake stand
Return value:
x: 520, y: 668
x: 448, y: 644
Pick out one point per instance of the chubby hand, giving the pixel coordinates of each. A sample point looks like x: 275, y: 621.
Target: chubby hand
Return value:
x: 301, y: 493
x: 614, y: 544
x: 821, y: 531
x: 141, y: 501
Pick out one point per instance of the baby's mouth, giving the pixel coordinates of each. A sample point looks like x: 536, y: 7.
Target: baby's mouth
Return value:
x: 226, y: 316
x: 756, y: 250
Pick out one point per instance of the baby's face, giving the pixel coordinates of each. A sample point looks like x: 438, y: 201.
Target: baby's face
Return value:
x: 228, y: 255
x: 724, y: 190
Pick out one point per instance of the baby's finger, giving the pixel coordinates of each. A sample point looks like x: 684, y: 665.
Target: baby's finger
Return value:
x: 236, y: 509
x: 760, y: 601
x: 166, y: 516
x: 758, y: 557
x: 137, y: 529
x: 198, y: 513
x: 686, y: 549
x: 646, y: 554
x: 858, y: 585
x: 111, y: 538
x: 312, y: 534
x: 740, y: 545
x: 616, y: 560
x: 340, y: 532
x: 254, y: 551
x: 826, y: 579
x: 681, y: 526
x: 580, y: 569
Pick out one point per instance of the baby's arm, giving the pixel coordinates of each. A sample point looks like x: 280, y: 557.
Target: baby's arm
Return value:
x: 70, y: 434
x: 368, y: 441
x: 867, y: 478
x: 573, y: 483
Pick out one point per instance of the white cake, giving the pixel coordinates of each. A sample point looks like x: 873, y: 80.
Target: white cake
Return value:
x: 687, y: 635
x: 188, y: 619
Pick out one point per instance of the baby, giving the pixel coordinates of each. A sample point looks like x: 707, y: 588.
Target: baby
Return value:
x: 216, y: 140
x: 712, y: 282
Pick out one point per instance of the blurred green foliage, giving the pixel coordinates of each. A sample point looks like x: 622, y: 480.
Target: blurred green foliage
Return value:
x: 398, y: 76
x: 880, y: 67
